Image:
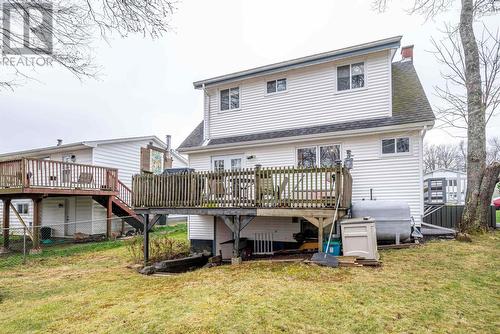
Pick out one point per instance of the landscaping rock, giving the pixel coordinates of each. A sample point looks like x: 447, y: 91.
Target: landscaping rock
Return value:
x: 464, y: 237
x: 148, y: 270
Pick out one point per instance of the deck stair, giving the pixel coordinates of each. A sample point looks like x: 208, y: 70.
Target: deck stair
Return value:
x: 121, y: 206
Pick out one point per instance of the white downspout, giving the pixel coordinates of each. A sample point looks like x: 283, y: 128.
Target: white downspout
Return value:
x: 206, y: 116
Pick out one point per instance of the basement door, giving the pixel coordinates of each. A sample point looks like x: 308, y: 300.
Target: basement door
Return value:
x: 70, y: 216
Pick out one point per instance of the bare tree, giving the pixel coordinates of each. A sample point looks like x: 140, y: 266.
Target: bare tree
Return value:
x: 493, y: 153
x: 481, y: 177
x: 449, y: 52
x: 74, y: 28
x: 443, y: 156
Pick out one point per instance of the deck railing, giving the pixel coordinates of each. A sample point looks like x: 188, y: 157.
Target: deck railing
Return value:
x: 124, y: 193
x: 280, y: 187
x: 36, y: 173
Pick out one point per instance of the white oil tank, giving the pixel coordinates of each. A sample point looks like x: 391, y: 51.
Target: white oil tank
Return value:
x: 392, y: 218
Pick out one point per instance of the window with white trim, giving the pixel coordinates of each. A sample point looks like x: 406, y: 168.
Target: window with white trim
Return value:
x: 275, y: 86
x: 230, y: 98
x: 23, y: 208
x: 351, y: 76
x: 223, y: 163
x: 396, y: 145
x: 326, y: 155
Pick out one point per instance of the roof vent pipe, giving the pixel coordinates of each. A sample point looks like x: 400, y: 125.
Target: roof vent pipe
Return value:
x: 59, y: 142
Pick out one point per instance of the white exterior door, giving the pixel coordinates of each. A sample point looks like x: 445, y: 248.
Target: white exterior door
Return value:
x: 70, y: 216
x: 227, y: 162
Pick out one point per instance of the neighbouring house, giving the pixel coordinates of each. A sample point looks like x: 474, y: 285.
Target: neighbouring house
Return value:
x: 267, y: 152
x: 445, y: 186
x: 80, y: 187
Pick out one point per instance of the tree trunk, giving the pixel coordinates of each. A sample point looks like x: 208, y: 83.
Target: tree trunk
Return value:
x: 474, y: 213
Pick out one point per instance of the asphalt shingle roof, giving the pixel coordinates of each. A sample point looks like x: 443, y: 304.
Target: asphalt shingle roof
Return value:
x: 409, y: 105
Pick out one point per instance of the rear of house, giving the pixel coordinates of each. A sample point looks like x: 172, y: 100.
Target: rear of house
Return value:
x: 310, y: 112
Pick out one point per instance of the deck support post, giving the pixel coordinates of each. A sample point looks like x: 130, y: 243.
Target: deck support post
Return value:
x: 146, y: 239
x: 320, y: 234
x: 5, y: 225
x: 236, y: 236
x: 37, y: 222
x: 109, y: 216
x: 236, y: 224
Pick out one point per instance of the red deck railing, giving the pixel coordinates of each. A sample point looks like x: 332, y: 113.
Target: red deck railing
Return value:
x: 37, y: 173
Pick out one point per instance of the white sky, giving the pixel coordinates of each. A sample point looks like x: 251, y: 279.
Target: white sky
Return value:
x: 146, y: 86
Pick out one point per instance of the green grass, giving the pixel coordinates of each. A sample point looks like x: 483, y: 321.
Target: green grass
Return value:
x: 498, y: 216
x: 442, y: 287
x: 178, y: 231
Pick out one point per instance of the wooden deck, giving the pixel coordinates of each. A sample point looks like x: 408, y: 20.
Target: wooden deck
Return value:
x: 36, y: 179
x: 28, y: 177
x: 252, y: 190
x: 320, y: 195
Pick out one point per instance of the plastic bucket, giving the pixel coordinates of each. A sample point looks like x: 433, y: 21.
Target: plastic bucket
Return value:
x: 333, y: 249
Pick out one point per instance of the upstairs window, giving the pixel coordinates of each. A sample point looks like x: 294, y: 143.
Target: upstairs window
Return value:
x: 351, y: 76
x: 396, y: 145
x: 274, y: 86
x: 230, y: 98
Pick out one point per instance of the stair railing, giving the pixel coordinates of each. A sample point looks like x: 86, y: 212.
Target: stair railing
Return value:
x: 124, y: 193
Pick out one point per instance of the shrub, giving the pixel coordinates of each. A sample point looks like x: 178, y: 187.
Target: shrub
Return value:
x: 161, y: 248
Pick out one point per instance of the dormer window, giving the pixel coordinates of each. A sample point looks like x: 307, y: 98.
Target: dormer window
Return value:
x: 230, y: 98
x: 275, y: 86
x: 351, y: 76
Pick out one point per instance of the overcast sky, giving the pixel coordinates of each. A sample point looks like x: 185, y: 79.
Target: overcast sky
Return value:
x: 146, y: 86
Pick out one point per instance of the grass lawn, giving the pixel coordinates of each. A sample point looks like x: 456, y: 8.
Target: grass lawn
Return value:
x: 498, y: 216
x: 443, y: 287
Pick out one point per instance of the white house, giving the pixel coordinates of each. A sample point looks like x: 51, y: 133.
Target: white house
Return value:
x: 312, y: 111
x: 61, y: 169
x: 445, y: 186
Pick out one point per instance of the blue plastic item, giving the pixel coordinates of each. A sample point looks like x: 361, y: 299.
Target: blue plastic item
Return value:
x: 334, y: 248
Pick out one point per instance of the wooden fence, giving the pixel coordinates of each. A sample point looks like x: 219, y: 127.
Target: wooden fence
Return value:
x: 450, y: 216
x: 245, y: 188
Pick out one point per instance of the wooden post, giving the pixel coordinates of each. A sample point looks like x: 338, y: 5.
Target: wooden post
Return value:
x: 146, y: 239
x: 37, y: 217
x: 236, y: 236
x: 6, y: 224
x: 257, y: 186
x: 109, y: 216
x: 320, y: 234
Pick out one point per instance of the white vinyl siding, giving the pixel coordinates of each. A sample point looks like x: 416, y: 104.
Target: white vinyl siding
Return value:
x: 125, y: 156
x: 396, y: 177
x: 201, y: 227
x: 311, y: 99
x: 14, y: 222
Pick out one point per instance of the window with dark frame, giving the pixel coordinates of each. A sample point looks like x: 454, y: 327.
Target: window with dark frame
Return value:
x: 230, y: 98
x: 275, y: 86
x: 327, y: 155
x: 351, y: 76
x: 396, y: 145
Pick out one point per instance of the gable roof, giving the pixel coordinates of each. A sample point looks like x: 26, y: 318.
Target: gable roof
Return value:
x: 383, y: 44
x: 409, y: 105
x: 76, y: 146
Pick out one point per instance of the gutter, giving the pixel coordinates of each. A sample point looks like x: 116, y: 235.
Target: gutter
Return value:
x: 287, y: 140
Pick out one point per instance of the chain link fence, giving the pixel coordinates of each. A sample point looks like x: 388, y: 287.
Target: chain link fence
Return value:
x: 20, y: 244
